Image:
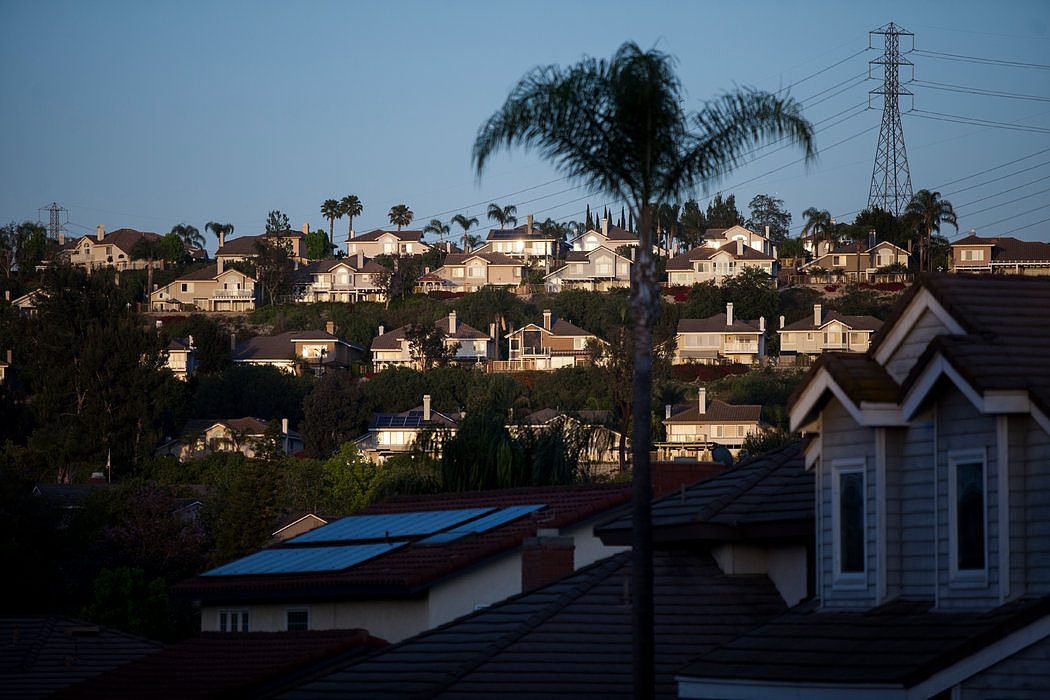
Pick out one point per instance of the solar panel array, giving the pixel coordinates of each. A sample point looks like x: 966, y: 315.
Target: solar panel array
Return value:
x: 392, y: 525
x: 287, y: 560
x: 483, y: 524
x: 412, y: 419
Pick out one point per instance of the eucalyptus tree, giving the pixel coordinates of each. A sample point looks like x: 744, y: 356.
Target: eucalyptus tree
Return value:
x: 350, y: 206
x: 619, y: 126
x: 466, y: 224
x: 331, y: 210
x: 438, y: 228
x: 221, y: 231
x: 926, y: 212
x: 503, y: 216
x: 400, y: 215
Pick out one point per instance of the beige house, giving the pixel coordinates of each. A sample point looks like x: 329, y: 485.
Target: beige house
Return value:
x: 719, y: 237
x: 858, y: 262
x: 694, y: 429
x: 247, y: 435
x: 181, y: 357
x: 526, y: 243
x: 710, y: 264
x: 5, y: 366
x: 469, y: 272
x: 381, y: 242
x: 598, y: 269
x: 555, y: 344
x: 207, y: 289
x: 826, y: 332
x: 1000, y: 255
x: 718, y: 339
x: 598, y: 446
x: 298, y: 351
x: 470, y: 345
x: 611, y: 237
x: 396, y: 433
x: 113, y: 249
x: 27, y: 303
x: 244, y: 247
x: 345, y: 280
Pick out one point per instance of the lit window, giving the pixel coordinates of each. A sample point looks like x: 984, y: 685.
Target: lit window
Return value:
x: 297, y: 620
x: 967, y: 512
x: 847, y: 509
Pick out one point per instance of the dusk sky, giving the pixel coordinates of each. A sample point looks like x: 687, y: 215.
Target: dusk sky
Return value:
x: 144, y: 115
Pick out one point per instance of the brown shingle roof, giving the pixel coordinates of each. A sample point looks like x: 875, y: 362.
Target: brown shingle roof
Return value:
x: 718, y: 411
x: 715, y: 324
x: 856, y: 323
x: 490, y: 258
x: 408, y: 235
x: 246, y: 426
x: 1006, y: 249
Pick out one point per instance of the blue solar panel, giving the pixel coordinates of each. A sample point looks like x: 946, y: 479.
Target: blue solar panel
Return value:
x: 489, y: 522
x: 290, y: 560
x: 395, y: 525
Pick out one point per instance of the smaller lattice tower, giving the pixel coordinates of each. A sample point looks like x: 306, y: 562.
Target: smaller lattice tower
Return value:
x: 54, y: 224
x: 890, y: 178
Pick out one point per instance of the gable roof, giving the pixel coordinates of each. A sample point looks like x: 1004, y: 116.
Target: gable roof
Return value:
x: 546, y: 415
x: 247, y: 425
x: 684, y: 261
x: 245, y: 245
x: 855, y: 323
x: 569, y: 639
x: 492, y: 258
x: 281, y: 346
x: 123, y: 238
x: 518, y: 232
x: 717, y: 411
x: 1006, y: 249
x: 406, y: 235
x: 716, y: 324
x: 413, y: 418
x: 391, y: 340
x: 326, y: 266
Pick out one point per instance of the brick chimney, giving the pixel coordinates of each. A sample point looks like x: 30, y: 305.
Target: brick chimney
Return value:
x: 605, y: 226
x: 816, y: 315
x: 426, y: 407
x: 546, y: 557
x: 729, y: 314
x: 100, y: 232
x: 702, y: 400
x: 547, y: 319
x: 451, y: 322
x: 528, y: 226
x: 329, y: 327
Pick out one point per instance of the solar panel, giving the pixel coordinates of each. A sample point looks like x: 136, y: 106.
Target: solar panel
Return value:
x: 293, y: 560
x: 489, y: 522
x: 392, y: 525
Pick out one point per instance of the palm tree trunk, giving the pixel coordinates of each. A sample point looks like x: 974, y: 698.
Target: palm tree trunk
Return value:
x: 645, y: 307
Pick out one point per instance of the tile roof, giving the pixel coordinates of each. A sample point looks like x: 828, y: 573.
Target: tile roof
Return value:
x: 518, y: 232
x: 391, y: 340
x: 325, y: 266
x: 281, y: 346
x: 717, y: 411
x: 564, y: 328
x: 856, y: 323
x: 41, y: 655
x: 490, y: 258
x: 409, y: 235
x: 226, y: 664
x: 760, y: 496
x: 245, y: 245
x: 412, y: 568
x: 684, y: 261
x: 246, y: 426
x: 898, y: 644
x: 716, y: 324
x: 1006, y: 249
x: 208, y: 272
x: 546, y: 415
x: 123, y: 238
x: 569, y: 639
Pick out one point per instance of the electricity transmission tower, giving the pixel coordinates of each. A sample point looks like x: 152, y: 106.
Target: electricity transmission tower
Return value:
x: 890, y: 179
x: 54, y: 226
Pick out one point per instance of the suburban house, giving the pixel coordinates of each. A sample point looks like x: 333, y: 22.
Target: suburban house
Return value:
x: 470, y: 345
x: 380, y: 242
x: 713, y: 264
x: 114, y: 249
x: 248, y: 435
x: 350, y: 279
x: 693, y: 429
x: 298, y: 351
x: 999, y: 254
x: 244, y: 247
x: 598, y: 269
x: 718, y: 237
x: 856, y: 261
x: 826, y: 332
x: 5, y: 366
x: 557, y: 343
x: 27, y: 303
x: 410, y: 564
x: 526, y: 243
x: 930, y: 454
x: 611, y: 237
x: 718, y: 339
x: 212, y: 288
x: 588, y: 435
x: 469, y: 272
x: 181, y: 357
x: 396, y: 433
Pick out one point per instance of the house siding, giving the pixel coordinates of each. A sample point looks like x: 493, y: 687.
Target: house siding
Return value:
x: 910, y: 514
x: 1023, y: 676
x: 925, y: 329
x: 1030, y: 512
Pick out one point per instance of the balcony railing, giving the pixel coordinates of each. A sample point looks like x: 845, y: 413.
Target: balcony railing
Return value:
x: 233, y: 294
x: 740, y: 347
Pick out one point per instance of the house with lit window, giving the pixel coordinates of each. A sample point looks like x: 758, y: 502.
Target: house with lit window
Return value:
x: 826, y: 332
x: 248, y: 435
x: 246, y: 247
x: 720, y: 338
x: 598, y: 269
x: 931, y: 457
x: 609, y: 236
x: 382, y: 242
x: 527, y: 243
x: 858, y: 261
x: 115, y: 249
x: 181, y: 357
x: 469, y: 272
x: 692, y: 430
x: 422, y: 428
x: 557, y: 343
x: 705, y: 263
x: 467, y: 345
x: 211, y: 288
x: 345, y: 280
x: 296, y: 352
x: 999, y: 254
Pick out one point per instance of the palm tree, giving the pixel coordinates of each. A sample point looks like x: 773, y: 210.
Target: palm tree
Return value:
x: 400, y: 215
x: 466, y: 224
x: 350, y: 206
x: 220, y: 230
x: 503, y: 215
x: 331, y: 210
x: 189, y: 235
x: 926, y: 212
x: 437, y: 228
x: 150, y: 250
x: 618, y: 125
x: 821, y: 227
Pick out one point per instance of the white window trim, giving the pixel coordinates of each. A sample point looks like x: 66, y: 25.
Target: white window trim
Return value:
x: 287, y: 611
x: 966, y: 578
x: 850, y: 579
x: 242, y: 613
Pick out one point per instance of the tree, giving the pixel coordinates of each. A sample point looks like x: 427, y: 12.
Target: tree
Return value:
x: 466, y: 224
x: 277, y: 221
x: 925, y: 213
x: 318, y: 245
x: 618, y: 126
x: 753, y: 293
x: 25, y: 245
x: 503, y: 216
x: 273, y: 266
x: 692, y: 224
x: 400, y: 215
x: 331, y: 210
x: 426, y: 343
x: 821, y: 227
x: 722, y: 213
x: 150, y: 250
x: 189, y: 235
x: 221, y: 231
x: 350, y: 206
x: 767, y: 210
x: 437, y: 228
x: 886, y: 226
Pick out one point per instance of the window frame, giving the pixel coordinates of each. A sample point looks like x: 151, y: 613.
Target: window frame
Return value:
x: 289, y: 611
x: 957, y: 458
x: 840, y: 578
x: 224, y: 617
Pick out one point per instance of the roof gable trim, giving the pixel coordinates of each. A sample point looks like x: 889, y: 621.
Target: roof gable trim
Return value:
x: 868, y: 414
x: 923, y: 301
x: 991, y: 402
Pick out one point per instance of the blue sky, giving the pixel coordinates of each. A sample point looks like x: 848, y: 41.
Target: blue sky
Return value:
x: 150, y: 114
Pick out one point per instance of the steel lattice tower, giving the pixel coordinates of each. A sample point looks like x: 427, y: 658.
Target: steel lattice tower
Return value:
x: 890, y: 179
x: 54, y: 226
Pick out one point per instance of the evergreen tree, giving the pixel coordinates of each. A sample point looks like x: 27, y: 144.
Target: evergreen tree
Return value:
x: 722, y: 213
x: 589, y: 223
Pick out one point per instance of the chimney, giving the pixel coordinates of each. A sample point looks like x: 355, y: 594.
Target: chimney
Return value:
x: 360, y: 259
x: 739, y: 248
x: 329, y: 327
x: 492, y: 330
x: 781, y: 321
x: 306, y: 229
x: 10, y: 357
x: 816, y: 315
x: 667, y: 411
x: 767, y: 232
x: 426, y: 407
x: 233, y: 342
x: 528, y: 227
x: 871, y: 239
x: 451, y: 322
x: 284, y: 426
x: 189, y: 342
x: 605, y: 226
x: 7, y: 295
x: 729, y: 314
x: 632, y: 253
x: 762, y: 323
x: 547, y: 319
x: 702, y: 400
x: 546, y: 557
x: 218, y: 265
x: 100, y: 232
x: 382, y: 330
x: 61, y: 238
x: 222, y: 238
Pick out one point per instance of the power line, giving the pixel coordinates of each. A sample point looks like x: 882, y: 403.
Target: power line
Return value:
x: 1001, y: 177
x: 1014, y: 216
x: 1026, y: 184
x: 995, y: 167
x: 1003, y: 204
x: 940, y: 116
x: 948, y: 87
x: 978, y: 59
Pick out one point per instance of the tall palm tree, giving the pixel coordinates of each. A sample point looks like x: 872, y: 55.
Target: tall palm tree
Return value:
x: 150, y: 250
x: 618, y: 125
x: 926, y: 212
x: 466, y: 224
x: 400, y: 215
x: 503, y: 215
x: 331, y: 210
x: 821, y: 227
x: 437, y: 228
x: 351, y: 206
x: 220, y: 230
x: 189, y: 235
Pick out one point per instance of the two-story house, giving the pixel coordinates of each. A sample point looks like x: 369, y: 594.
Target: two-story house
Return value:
x: 826, y: 332
x: 557, y: 343
x: 598, y: 269
x: 526, y: 243
x: 181, y: 357
x: 718, y: 339
x: 469, y: 272
x: 396, y: 433
x: 349, y: 279
x: 382, y: 242
x: 466, y: 344
x: 211, y: 288
x: 611, y: 237
x: 296, y: 352
x: 931, y: 454
x: 246, y: 247
x: 588, y: 432
x: 693, y: 429
x: 857, y: 261
x: 248, y: 435
x: 114, y: 249
x: 708, y: 264
x: 758, y: 240
x: 999, y: 254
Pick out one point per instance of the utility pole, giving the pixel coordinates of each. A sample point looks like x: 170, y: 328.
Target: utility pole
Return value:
x: 54, y: 225
x: 890, y: 178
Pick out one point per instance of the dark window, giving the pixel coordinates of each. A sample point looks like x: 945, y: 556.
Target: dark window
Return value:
x: 969, y: 515
x: 185, y: 287
x: 298, y: 620
x: 851, y: 522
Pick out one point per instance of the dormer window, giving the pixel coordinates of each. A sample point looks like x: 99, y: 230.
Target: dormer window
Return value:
x: 967, y: 513
x: 848, y: 522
